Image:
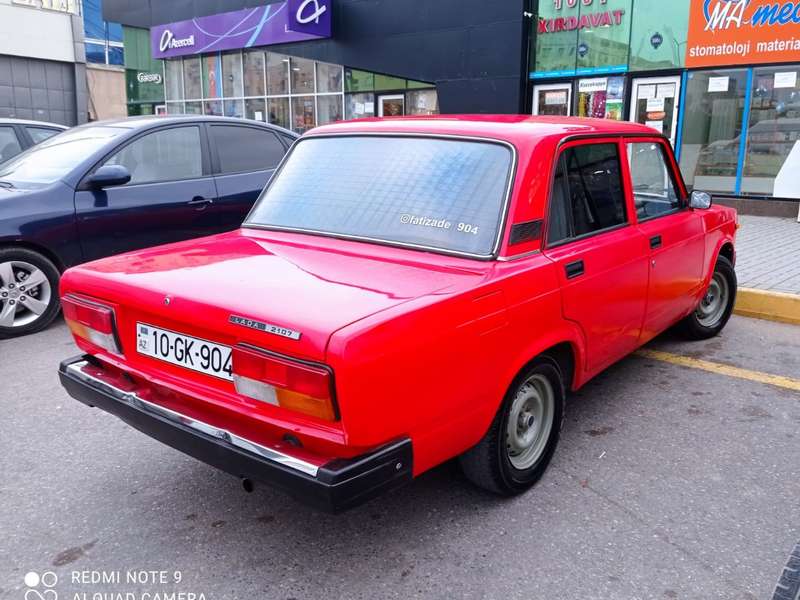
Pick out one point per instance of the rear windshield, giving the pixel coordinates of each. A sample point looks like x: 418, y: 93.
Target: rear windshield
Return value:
x: 435, y: 193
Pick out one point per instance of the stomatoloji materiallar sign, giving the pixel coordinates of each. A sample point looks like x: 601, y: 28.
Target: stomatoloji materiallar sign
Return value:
x: 743, y: 32
x: 280, y: 23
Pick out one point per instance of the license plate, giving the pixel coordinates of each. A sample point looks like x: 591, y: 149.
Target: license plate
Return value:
x: 184, y: 350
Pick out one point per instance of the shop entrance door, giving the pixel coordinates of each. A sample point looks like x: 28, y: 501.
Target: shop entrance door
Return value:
x: 552, y: 99
x: 393, y: 105
x: 654, y: 102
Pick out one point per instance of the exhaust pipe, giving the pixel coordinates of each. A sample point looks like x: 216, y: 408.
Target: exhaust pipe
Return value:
x: 248, y: 485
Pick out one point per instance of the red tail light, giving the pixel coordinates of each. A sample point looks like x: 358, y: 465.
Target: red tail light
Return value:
x: 92, y: 322
x: 285, y: 383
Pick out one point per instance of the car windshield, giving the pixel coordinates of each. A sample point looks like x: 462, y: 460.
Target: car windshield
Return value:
x: 435, y: 193
x: 55, y: 157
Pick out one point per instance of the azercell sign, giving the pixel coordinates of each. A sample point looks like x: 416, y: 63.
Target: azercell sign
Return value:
x: 743, y: 32
x: 279, y: 23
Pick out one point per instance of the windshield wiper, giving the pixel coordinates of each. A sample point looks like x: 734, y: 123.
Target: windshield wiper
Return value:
x: 6, y: 184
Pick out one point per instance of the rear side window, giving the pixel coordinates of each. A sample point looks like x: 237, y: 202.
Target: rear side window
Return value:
x: 9, y: 144
x: 587, y: 195
x: 653, y: 188
x: 40, y: 134
x: 165, y: 155
x: 242, y: 149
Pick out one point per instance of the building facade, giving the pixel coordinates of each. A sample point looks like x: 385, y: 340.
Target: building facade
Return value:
x: 258, y: 60
x: 718, y: 77
x: 42, y: 61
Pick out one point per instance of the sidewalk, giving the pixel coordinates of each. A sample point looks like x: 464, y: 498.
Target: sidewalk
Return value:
x: 768, y: 254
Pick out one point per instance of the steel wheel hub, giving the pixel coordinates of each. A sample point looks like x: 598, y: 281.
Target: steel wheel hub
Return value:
x: 530, y: 422
x: 712, y: 306
x: 25, y: 293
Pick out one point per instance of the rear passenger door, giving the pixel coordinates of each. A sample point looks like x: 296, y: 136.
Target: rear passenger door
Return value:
x: 602, y: 256
x: 674, y: 232
x: 244, y: 158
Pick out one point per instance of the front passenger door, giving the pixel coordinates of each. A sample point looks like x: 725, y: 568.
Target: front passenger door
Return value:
x: 167, y: 199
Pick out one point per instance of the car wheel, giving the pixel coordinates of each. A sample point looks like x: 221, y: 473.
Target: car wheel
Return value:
x: 28, y: 292
x: 516, y: 450
x: 788, y: 587
x: 716, y: 306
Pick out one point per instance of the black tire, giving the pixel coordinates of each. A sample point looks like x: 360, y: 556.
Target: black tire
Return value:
x: 788, y: 587
x: 50, y: 271
x: 694, y: 327
x: 489, y: 464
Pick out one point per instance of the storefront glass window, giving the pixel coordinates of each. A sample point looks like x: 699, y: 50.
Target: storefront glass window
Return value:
x: 96, y: 53
x: 556, y: 46
x: 174, y: 84
x: 303, y: 113
x: 659, y: 34
x: 278, y: 112
x: 601, y: 98
x: 277, y: 74
x: 329, y: 109
x: 212, y: 76
x: 232, y: 74
x: 359, y: 106
x: 255, y: 108
x: 712, y: 126
x: 358, y: 81
x: 422, y: 102
x: 116, y: 56
x: 191, y: 78
x: 302, y: 76
x: 194, y: 108
x: 254, y: 73
x: 175, y: 108
x: 603, y: 45
x: 385, y: 83
x: 234, y: 108
x: 329, y: 78
x: 212, y: 107
x: 773, y: 133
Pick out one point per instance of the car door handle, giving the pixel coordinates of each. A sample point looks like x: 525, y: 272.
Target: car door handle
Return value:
x: 200, y: 202
x: 574, y: 269
x: 655, y: 242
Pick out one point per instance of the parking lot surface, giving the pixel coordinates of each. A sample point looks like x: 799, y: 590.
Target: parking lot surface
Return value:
x: 670, y: 482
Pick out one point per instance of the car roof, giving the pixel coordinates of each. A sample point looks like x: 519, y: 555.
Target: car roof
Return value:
x: 144, y: 122
x: 510, y: 128
x: 5, y: 121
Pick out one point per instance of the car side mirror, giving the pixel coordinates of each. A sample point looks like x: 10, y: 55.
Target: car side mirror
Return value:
x: 109, y: 176
x: 700, y: 200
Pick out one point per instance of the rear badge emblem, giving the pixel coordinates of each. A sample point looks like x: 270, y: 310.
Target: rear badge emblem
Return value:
x: 265, y: 327
x: 167, y: 300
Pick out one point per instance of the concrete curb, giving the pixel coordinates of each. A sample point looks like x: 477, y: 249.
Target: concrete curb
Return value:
x: 772, y: 306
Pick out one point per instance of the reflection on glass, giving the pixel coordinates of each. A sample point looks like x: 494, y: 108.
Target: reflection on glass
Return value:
x: 234, y: 108
x: 175, y: 108
x: 212, y: 76
x: 255, y: 109
x: 359, y: 106
x: 254, y: 73
x: 302, y: 76
x: 278, y: 112
x: 658, y: 34
x: 329, y: 78
x: 277, y: 74
x: 303, y: 113
x: 608, y: 44
x: 773, y: 133
x: 232, y: 74
x: 330, y: 109
x: 191, y: 78
x: 712, y: 125
x: 422, y: 102
x: 173, y: 86
x: 194, y: 108
x: 212, y: 107
x: 359, y: 81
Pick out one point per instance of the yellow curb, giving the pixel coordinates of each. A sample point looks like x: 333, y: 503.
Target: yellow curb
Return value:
x: 772, y: 306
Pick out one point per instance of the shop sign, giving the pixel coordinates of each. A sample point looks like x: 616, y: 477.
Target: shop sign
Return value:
x: 743, y: 32
x: 279, y: 23
x: 606, y: 18
x: 65, y: 6
x: 149, y: 78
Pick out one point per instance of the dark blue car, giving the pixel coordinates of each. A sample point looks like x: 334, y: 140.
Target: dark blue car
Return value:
x: 114, y: 186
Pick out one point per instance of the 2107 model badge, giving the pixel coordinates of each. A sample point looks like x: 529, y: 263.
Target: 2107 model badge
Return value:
x: 266, y: 327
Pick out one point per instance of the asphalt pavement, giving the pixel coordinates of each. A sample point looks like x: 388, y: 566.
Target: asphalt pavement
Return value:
x: 669, y: 482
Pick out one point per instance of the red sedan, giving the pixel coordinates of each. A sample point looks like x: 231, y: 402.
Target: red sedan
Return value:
x: 404, y: 292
